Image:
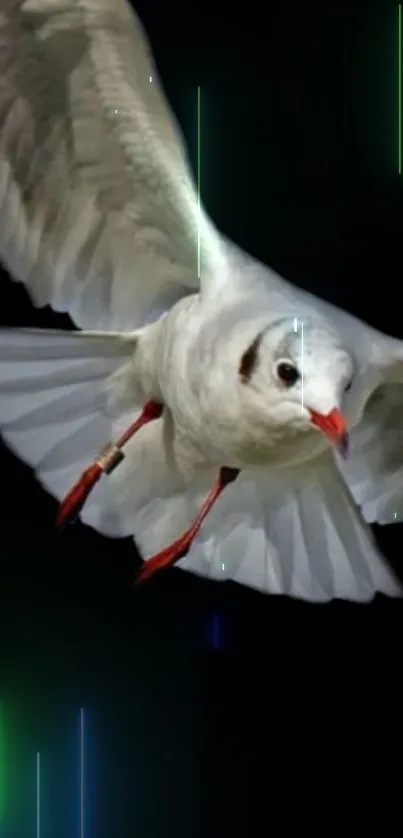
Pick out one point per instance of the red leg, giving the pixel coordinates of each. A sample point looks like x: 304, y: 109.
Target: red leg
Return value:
x: 107, y: 461
x: 172, y: 554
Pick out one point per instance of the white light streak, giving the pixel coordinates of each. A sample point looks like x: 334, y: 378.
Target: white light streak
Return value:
x: 302, y: 366
x: 198, y: 182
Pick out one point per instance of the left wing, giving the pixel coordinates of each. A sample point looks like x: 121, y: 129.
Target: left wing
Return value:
x: 99, y: 215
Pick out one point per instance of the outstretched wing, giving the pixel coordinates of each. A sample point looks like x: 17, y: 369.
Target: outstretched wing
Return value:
x: 297, y: 533
x: 99, y: 215
x: 374, y: 470
x: 374, y: 407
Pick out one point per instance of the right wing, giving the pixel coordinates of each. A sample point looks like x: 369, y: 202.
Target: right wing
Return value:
x: 373, y: 407
x: 99, y: 215
x: 295, y: 532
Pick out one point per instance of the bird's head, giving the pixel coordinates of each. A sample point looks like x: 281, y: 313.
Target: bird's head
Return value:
x: 295, y: 373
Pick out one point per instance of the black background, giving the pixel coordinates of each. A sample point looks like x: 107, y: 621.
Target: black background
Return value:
x: 203, y: 701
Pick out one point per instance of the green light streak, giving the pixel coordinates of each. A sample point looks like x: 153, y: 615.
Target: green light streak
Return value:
x: 2, y: 765
x: 399, y: 85
x: 38, y: 795
x: 198, y: 182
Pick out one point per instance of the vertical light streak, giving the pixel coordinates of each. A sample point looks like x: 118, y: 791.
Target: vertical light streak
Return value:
x: 2, y: 765
x: 198, y: 182
x: 302, y: 366
x: 216, y: 632
x: 82, y: 768
x: 399, y: 86
x: 38, y: 795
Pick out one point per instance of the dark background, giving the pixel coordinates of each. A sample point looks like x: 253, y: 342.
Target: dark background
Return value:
x: 204, y: 701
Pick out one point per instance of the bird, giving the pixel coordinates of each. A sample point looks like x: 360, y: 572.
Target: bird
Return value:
x: 234, y: 425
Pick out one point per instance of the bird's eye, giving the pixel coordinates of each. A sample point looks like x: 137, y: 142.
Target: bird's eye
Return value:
x: 348, y: 386
x: 287, y: 373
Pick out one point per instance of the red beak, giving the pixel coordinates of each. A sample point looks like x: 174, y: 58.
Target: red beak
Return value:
x: 334, y: 427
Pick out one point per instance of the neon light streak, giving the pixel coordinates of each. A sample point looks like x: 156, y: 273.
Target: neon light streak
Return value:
x: 198, y: 182
x: 216, y: 631
x: 38, y: 795
x: 399, y: 85
x: 2, y: 766
x: 302, y: 366
x: 81, y: 803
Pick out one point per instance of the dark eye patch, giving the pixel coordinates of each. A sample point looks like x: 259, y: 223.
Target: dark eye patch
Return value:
x: 249, y: 361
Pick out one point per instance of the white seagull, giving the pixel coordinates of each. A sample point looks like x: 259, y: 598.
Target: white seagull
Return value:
x: 218, y: 408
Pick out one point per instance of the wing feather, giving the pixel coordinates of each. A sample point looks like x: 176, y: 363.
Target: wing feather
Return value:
x: 99, y: 214
x: 374, y: 468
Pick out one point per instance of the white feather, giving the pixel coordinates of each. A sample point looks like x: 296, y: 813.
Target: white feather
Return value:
x: 55, y: 401
x: 292, y: 532
x: 99, y: 217
x: 374, y: 470
x: 99, y: 213
x: 61, y: 403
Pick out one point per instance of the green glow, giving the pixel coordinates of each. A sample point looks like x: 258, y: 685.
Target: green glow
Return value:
x: 38, y: 796
x: 198, y: 182
x: 399, y: 85
x: 2, y: 764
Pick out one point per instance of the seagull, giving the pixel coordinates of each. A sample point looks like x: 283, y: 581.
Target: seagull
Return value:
x: 232, y: 424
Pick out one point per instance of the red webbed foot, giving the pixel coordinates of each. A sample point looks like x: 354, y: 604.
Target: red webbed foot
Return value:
x: 170, y: 555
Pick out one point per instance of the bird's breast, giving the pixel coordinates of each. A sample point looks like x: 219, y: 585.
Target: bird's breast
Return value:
x: 225, y: 444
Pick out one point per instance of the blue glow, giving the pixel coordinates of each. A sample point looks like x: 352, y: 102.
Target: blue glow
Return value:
x: 81, y: 771
x: 215, y: 631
